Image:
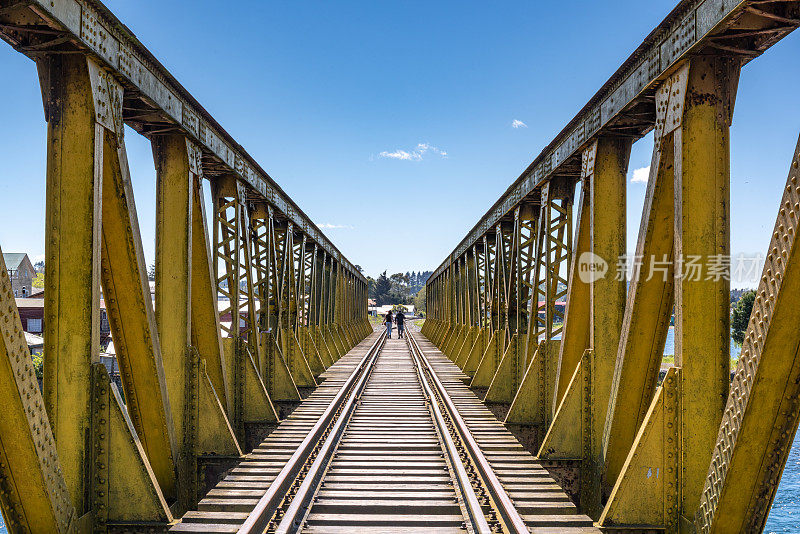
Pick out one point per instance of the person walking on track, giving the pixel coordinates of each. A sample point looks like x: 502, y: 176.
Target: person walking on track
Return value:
x: 400, y: 319
x: 388, y: 322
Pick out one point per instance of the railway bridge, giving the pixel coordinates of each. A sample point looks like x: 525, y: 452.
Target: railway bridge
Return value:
x: 255, y: 396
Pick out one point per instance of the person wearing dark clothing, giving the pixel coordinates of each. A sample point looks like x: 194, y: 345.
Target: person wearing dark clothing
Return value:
x: 388, y: 322
x: 400, y: 319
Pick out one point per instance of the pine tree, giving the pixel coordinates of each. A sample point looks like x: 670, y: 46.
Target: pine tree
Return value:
x: 382, y: 289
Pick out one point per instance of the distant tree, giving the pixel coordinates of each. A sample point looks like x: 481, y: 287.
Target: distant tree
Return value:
x: 402, y: 287
x: 400, y: 293
x: 360, y: 269
x: 151, y: 272
x: 382, y: 289
x: 416, y: 281
x: 38, y: 281
x: 419, y: 301
x: 38, y: 266
x: 399, y: 279
x: 741, y: 315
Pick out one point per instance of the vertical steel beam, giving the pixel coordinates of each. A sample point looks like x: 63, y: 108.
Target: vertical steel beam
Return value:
x: 272, y: 367
x: 186, y: 311
x: 205, y: 327
x: 454, y: 338
x: 471, y: 316
x: 229, y: 229
x: 607, y: 181
x: 577, y: 316
x: 251, y: 402
x: 519, y: 291
x: 636, y: 435
x: 484, y: 334
x: 680, y: 441
x: 173, y: 268
x: 72, y: 263
x: 577, y: 427
x: 328, y: 331
x: 702, y: 230
x: 86, y: 159
x: 497, y: 308
x: 259, y: 240
x: 554, y: 253
x: 290, y: 347
x: 533, y: 406
x: 316, y: 307
x: 302, y: 297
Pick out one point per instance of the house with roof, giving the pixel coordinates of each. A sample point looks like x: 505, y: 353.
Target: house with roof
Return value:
x: 31, y: 314
x: 21, y: 271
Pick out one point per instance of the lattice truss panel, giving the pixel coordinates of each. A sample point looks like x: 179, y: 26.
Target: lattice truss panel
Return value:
x: 569, y: 343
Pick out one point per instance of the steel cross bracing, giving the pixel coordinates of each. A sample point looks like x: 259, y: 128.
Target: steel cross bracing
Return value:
x: 574, y: 367
x: 250, y: 306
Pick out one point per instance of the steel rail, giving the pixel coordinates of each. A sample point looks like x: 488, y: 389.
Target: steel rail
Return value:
x: 293, y: 517
x: 473, y: 506
x: 511, y: 518
x: 259, y: 518
x: 300, y: 505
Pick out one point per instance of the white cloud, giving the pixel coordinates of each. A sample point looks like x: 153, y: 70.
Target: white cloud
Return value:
x: 401, y: 154
x: 640, y: 176
x: 330, y: 226
x: 518, y: 124
x: 416, y: 154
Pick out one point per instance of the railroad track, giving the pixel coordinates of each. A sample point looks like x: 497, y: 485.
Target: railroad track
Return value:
x: 392, y: 441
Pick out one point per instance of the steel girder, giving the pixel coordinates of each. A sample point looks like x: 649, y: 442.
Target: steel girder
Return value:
x: 98, y: 458
x: 592, y: 397
x: 679, y: 428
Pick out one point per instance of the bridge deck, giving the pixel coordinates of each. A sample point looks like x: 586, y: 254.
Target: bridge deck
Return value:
x: 390, y: 471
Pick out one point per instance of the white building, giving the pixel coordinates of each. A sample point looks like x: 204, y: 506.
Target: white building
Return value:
x: 408, y: 309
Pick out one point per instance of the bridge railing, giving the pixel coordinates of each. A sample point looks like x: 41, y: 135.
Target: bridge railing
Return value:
x: 250, y: 306
x: 530, y: 306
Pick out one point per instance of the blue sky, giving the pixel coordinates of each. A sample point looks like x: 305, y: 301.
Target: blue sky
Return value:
x: 323, y: 94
